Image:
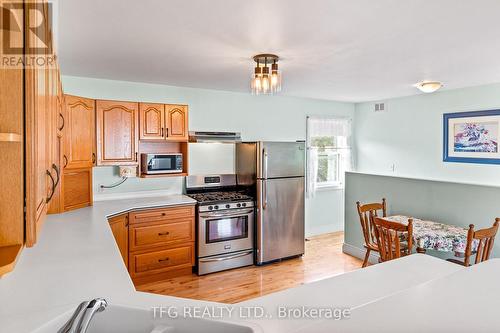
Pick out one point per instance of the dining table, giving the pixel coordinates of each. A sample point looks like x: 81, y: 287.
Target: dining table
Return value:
x: 430, y: 235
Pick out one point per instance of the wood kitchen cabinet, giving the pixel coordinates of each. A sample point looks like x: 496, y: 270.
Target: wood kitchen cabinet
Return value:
x: 151, y: 121
x: 11, y: 156
x: 119, y: 227
x: 79, y: 132
x: 42, y: 163
x: 176, y: 120
x: 117, y: 132
x: 55, y: 204
x: 161, y: 243
x: 163, y: 122
x: 77, y: 188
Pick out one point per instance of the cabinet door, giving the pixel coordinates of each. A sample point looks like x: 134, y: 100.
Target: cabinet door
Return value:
x: 117, y: 132
x: 77, y: 188
x: 119, y: 227
x: 176, y: 122
x: 79, y: 132
x: 38, y: 125
x: 151, y: 120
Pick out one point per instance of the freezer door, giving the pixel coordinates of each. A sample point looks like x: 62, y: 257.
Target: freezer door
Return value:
x: 280, y: 159
x: 280, y: 218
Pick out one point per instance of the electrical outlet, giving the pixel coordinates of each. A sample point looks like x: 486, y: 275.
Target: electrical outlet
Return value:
x: 128, y: 171
x: 392, y: 167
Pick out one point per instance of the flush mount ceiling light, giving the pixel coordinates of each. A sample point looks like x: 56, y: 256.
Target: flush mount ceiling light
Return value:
x: 263, y: 80
x: 429, y: 86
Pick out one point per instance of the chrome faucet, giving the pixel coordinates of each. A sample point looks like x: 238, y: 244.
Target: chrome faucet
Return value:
x: 80, y: 320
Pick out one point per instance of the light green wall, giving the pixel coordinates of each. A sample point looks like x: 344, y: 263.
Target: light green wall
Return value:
x: 445, y: 202
x: 256, y: 117
x: 410, y: 135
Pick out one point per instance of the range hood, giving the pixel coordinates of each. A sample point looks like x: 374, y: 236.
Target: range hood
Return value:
x: 220, y: 137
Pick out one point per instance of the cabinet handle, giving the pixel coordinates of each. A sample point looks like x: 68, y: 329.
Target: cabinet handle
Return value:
x: 163, y: 233
x: 49, y: 197
x: 57, y: 174
x: 65, y: 158
x: 162, y: 132
x: 93, y: 158
x: 163, y: 214
x: 167, y: 133
x: 136, y: 156
x: 164, y: 259
x: 63, y: 122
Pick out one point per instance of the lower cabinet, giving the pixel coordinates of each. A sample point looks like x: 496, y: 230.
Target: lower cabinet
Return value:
x: 77, y: 188
x: 119, y: 227
x: 160, y: 242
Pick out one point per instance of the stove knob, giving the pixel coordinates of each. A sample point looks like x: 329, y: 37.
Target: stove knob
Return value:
x: 238, y: 205
x: 228, y: 206
x: 216, y: 207
x: 210, y: 207
x: 244, y: 204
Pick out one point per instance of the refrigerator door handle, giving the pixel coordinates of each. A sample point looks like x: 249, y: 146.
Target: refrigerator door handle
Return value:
x: 265, y: 160
x: 264, y: 194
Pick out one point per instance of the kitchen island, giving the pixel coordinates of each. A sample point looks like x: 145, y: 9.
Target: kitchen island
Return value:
x: 77, y: 259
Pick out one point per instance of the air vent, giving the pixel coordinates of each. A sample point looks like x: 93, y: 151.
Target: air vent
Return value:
x: 380, y: 107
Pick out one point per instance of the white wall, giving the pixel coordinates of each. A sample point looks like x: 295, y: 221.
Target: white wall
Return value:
x: 256, y: 117
x: 410, y: 136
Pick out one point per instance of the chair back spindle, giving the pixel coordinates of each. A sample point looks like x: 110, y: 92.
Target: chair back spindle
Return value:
x: 389, y: 235
x: 485, y: 239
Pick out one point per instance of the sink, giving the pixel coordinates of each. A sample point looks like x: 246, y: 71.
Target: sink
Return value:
x: 130, y: 320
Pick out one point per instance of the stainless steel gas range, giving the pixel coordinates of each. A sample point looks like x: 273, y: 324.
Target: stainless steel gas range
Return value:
x: 225, y: 223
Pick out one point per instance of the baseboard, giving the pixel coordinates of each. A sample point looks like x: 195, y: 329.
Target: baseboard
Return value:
x: 359, y: 253
x: 323, y: 229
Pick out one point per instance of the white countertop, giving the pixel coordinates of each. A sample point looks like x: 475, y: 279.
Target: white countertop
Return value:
x: 465, y: 301
x: 76, y: 259
x: 353, y: 289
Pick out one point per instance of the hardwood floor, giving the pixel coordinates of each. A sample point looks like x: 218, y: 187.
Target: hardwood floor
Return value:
x: 323, y: 259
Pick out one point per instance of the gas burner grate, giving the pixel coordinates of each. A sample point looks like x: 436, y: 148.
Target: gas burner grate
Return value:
x: 219, y: 196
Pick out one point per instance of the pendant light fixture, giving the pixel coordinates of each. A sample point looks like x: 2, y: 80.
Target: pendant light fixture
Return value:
x: 265, y: 81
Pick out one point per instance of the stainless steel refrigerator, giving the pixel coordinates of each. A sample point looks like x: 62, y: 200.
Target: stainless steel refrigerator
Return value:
x: 276, y: 169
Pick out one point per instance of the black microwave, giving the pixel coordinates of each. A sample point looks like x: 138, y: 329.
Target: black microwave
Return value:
x: 161, y: 163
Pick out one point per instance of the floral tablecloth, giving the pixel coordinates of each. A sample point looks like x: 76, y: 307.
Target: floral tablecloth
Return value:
x: 436, y: 236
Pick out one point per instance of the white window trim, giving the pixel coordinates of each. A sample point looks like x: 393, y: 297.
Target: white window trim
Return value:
x: 330, y: 186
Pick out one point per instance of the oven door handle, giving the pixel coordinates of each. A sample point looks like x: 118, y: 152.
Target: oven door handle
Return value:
x: 232, y: 214
x: 226, y: 258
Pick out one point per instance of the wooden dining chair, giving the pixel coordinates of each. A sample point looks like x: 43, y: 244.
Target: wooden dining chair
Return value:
x: 389, y: 235
x: 485, y: 238
x: 366, y: 214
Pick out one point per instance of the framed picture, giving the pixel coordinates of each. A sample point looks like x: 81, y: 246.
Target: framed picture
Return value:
x: 471, y: 137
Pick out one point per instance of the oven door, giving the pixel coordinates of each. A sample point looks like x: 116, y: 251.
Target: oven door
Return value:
x: 225, y: 231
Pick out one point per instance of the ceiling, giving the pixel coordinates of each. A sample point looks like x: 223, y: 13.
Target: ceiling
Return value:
x: 355, y: 51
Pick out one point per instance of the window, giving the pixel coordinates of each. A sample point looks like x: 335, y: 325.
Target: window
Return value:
x: 329, y: 152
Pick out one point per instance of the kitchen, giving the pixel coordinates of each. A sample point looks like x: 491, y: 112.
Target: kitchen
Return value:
x: 154, y: 188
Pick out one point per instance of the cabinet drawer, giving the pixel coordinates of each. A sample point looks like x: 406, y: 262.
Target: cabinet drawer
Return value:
x: 144, y: 236
x: 163, y: 214
x: 164, y: 260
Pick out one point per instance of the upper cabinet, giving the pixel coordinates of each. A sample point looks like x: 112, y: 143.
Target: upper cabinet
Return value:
x: 117, y: 132
x: 163, y: 122
x: 176, y: 122
x: 79, y: 132
x: 151, y: 122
